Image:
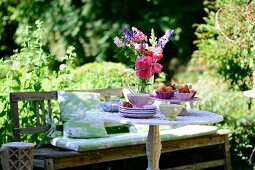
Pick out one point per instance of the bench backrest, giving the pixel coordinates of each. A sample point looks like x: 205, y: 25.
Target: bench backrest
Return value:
x: 43, y: 106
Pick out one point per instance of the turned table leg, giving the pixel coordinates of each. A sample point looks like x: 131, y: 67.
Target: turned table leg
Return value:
x: 153, y: 147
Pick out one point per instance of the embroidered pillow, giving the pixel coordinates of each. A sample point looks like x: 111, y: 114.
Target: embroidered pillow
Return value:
x: 75, y: 104
x: 84, y: 128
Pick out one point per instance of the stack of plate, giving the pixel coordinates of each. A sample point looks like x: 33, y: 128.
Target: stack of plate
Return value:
x: 146, y: 112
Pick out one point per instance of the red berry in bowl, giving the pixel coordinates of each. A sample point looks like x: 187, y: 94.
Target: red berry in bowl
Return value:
x: 127, y: 104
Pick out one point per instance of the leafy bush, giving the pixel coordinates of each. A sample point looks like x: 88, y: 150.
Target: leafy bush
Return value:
x: 28, y: 70
x: 226, y: 44
x: 100, y: 75
x: 226, y: 41
x: 219, y: 98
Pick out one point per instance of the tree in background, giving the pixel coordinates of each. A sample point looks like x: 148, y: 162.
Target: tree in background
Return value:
x: 226, y: 42
x: 90, y: 26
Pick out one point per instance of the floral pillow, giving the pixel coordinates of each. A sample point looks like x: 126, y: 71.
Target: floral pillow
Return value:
x: 84, y: 128
x: 75, y: 104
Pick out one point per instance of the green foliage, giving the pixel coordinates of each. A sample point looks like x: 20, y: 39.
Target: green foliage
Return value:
x: 226, y: 41
x: 28, y: 70
x: 101, y: 75
x: 226, y: 44
x: 242, y: 140
x: 90, y: 26
x: 219, y: 98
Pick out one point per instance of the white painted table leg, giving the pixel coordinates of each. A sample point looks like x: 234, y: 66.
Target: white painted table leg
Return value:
x: 153, y: 147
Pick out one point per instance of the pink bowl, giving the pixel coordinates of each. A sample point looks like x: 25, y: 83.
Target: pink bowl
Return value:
x: 183, y: 96
x: 164, y: 95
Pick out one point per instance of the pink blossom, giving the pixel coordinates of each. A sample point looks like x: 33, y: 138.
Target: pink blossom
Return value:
x: 144, y: 74
x: 146, y: 67
x: 143, y: 63
x: 139, y: 35
x: 157, y: 68
x: 157, y: 53
x: 143, y: 46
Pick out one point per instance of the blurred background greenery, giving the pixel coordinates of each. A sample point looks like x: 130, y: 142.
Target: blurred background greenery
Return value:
x: 90, y: 26
x: 64, y: 44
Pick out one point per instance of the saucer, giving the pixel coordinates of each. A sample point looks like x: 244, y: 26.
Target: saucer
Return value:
x: 133, y: 110
x: 146, y: 107
x: 143, y: 116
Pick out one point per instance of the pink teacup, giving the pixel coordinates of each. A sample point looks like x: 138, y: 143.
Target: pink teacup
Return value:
x: 139, y: 99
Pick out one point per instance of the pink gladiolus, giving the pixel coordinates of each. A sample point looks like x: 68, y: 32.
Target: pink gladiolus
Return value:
x: 143, y: 46
x: 139, y: 35
x: 157, y: 53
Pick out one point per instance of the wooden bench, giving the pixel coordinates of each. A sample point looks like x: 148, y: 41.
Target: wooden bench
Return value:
x: 210, y: 150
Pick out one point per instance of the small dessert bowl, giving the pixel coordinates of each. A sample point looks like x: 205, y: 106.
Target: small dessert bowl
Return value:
x: 183, y: 96
x: 164, y: 95
x: 139, y: 99
x: 171, y: 111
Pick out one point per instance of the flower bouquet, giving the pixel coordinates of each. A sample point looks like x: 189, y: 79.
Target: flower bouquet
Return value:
x: 134, y: 45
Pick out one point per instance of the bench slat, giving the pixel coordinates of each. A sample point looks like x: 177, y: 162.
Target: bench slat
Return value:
x: 186, y: 143
x: 43, y: 113
x: 32, y: 96
x: 197, y: 166
x: 37, y: 113
x: 49, y: 109
x: 65, y: 158
x: 28, y: 130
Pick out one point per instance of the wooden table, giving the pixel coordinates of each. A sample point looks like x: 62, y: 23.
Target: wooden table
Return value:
x: 153, y: 143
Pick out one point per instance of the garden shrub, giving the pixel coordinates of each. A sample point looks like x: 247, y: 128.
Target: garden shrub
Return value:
x: 226, y: 44
x: 219, y: 98
x: 101, y: 75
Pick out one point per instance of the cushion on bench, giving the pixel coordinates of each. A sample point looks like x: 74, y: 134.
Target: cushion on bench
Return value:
x: 75, y: 104
x: 126, y: 139
x: 84, y: 128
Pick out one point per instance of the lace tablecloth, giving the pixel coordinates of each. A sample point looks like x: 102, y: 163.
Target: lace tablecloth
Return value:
x: 195, y: 117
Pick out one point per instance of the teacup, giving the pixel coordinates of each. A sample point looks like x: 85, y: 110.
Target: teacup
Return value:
x: 171, y: 111
x: 139, y: 99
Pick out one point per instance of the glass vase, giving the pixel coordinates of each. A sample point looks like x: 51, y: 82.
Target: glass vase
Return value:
x: 144, y: 85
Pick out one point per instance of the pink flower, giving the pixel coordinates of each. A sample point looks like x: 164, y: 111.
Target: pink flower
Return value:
x: 140, y: 46
x: 157, y: 53
x: 143, y: 63
x: 143, y: 46
x: 145, y: 67
x: 157, y: 68
x: 144, y: 74
x: 139, y: 35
